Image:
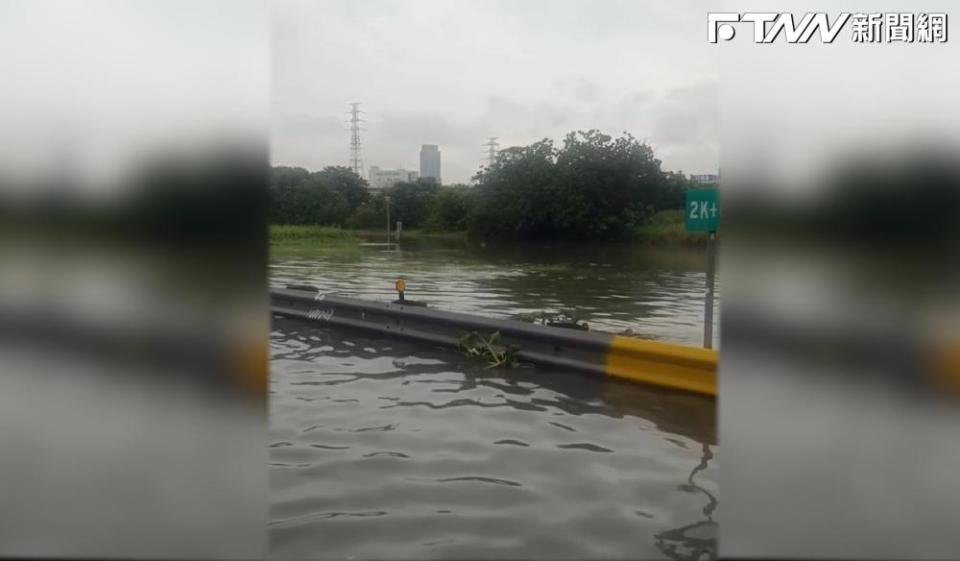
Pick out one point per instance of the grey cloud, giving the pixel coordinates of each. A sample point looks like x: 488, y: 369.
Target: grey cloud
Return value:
x: 526, y: 121
x: 422, y: 128
x: 581, y: 89
x: 309, y: 125
x: 686, y: 124
x: 638, y: 98
x: 432, y: 72
x: 504, y: 108
x: 688, y: 115
x: 611, y: 17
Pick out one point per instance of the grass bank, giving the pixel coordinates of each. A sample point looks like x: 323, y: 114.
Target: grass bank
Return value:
x: 668, y: 227
x: 665, y: 228
x: 324, y: 235
x: 412, y: 234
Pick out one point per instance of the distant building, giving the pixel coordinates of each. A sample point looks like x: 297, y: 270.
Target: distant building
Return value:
x: 705, y: 178
x: 430, y: 162
x: 384, y: 178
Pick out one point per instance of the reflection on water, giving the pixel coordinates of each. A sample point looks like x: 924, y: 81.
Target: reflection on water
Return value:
x: 651, y: 293
x: 697, y: 540
x: 381, y: 449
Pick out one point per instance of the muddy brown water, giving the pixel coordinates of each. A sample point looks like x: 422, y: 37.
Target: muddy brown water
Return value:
x: 384, y: 449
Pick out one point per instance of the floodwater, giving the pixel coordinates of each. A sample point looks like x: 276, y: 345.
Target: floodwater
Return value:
x: 654, y: 293
x: 385, y: 449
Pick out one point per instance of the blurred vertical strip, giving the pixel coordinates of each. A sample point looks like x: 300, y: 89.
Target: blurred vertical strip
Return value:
x: 839, y: 405
x: 133, y: 318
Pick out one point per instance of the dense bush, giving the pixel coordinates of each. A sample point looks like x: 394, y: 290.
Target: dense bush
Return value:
x: 451, y: 206
x: 412, y: 203
x: 593, y: 188
x: 327, y: 197
x: 369, y: 215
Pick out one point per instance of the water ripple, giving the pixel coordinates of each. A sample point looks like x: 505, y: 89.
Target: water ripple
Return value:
x: 654, y: 294
x: 482, y: 468
x: 380, y: 449
x: 584, y: 446
x: 480, y: 479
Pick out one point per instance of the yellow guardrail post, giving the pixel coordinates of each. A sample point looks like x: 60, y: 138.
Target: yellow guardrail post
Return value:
x: 663, y: 364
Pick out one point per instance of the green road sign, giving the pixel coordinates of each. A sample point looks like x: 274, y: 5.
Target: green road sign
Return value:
x: 701, y: 210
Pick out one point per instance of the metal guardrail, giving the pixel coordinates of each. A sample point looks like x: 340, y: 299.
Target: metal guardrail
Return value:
x: 663, y: 364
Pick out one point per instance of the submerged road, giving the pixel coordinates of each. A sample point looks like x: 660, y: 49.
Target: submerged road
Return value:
x: 380, y: 449
x: 384, y: 449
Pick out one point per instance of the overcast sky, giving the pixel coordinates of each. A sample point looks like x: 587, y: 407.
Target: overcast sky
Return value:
x: 453, y: 73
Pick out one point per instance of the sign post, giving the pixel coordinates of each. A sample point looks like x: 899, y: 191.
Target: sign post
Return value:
x: 702, y: 215
x: 708, y: 305
x: 387, y: 200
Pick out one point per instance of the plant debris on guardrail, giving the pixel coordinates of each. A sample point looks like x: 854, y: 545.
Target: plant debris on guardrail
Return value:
x: 569, y: 319
x: 489, y: 348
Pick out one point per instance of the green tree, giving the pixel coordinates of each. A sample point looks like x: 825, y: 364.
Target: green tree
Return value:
x: 450, y: 208
x: 344, y: 181
x: 283, y: 176
x: 674, y: 191
x: 595, y: 187
x: 410, y: 203
x: 327, y: 197
x: 604, y: 185
x: 370, y: 215
x: 514, y: 196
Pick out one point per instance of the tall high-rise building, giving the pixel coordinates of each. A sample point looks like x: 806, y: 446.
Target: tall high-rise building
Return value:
x: 430, y: 162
